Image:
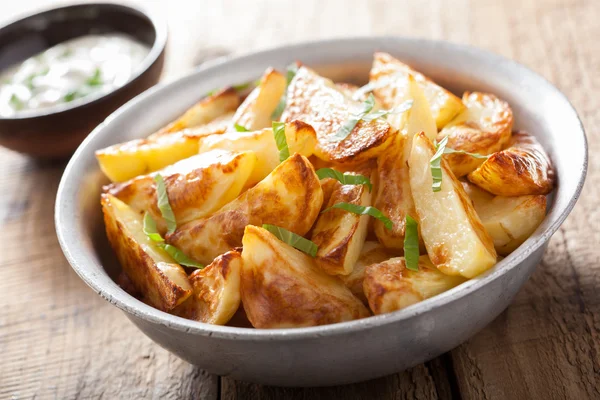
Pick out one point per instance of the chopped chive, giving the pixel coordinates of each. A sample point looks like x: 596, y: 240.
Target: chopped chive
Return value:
x: 344, y: 179
x: 280, y: 139
x: 362, y: 210
x: 240, y: 128
x: 411, y: 244
x: 292, y: 69
x: 163, y: 203
x: 293, y: 239
x: 436, y: 161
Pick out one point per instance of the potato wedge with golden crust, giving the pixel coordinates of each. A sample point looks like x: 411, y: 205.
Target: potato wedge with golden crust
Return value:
x: 316, y: 101
x: 394, y: 196
x: 255, y: 112
x: 206, y: 110
x: 127, y: 160
x: 371, y: 253
x: 444, y: 105
x: 483, y: 128
x: 389, y: 286
x: 216, y: 296
x: 196, y: 186
x: 522, y: 169
x: 341, y: 234
x: 161, y: 282
x: 283, y: 288
x: 290, y: 197
x: 508, y: 220
x: 301, y: 138
x: 456, y: 241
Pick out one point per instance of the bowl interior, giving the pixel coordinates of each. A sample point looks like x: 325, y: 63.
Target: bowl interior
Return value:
x: 538, y: 108
x: 31, y: 35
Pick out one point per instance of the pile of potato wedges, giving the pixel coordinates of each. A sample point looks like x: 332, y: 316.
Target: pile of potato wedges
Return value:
x: 225, y: 177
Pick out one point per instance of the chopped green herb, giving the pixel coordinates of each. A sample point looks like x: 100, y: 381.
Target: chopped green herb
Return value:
x: 16, y: 102
x: 344, y: 179
x: 96, y: 79
x: 362, y: 210
x: 349, y: 125
x: 240, y: 128
x: 150, y: 228
x: 72, y: 95
x: 293, y: 240
x: 152, y: 232
x: 180, y: 257
x: 242, y: 86
x: 66, y: 53
x: 366, y: 115
x: 239, y: 87
x: 292, y: 69
x: 163, y: 203
x: 411, y: 244
x: 280, y: 139
x: 436, y: 162
x: 382, y: 113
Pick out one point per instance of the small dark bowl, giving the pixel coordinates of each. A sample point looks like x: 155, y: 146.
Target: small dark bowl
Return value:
x: 56, y: 132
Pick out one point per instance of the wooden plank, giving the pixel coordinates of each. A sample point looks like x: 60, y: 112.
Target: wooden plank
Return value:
x: 427, y: 381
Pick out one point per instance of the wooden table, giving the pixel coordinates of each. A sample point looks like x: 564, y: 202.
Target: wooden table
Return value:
x: 60, y: 340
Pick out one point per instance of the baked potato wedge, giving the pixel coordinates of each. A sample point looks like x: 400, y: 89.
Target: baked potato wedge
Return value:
x: 301, y: 138
x: 523, y: 168
x: 206, y: 110
x: 283, y: 288
x: 371, y: 253
x: 316, y: 101
x: 394, y: 196
x: 216, y: 291
x: 389, y: 286
x: 290, y: 197
x: 391, y: 79
x: 508, y: 220
x: 161, y: 282
x: 255, y: 112
x: 341, y: 234
x: 454, y: 236
x: 483, y: 128
x: 125, y: 161
x: 196, y: 186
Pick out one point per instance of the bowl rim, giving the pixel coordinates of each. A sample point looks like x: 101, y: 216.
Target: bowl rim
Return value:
x: 136, y: 308
x: 159, y: 25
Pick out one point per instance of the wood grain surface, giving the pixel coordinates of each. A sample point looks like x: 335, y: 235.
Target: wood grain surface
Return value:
x: 59, y: 340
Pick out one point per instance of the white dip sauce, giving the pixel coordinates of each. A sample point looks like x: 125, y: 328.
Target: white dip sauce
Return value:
x: 70, y: 70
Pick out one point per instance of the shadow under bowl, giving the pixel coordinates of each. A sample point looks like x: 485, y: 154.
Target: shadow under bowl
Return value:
x: 55, y: 132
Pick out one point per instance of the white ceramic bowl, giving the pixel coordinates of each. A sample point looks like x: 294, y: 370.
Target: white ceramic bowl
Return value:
x: 350, y: 351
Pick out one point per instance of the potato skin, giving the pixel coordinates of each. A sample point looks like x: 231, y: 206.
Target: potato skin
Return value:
x: 444, y: 105
x: 316, y: 101
x: 255, y: 112
x: 371, y: 253
x: 484, y: 128
x: 454, y: 236
x: 196, y: 186
x: 290, y: 197
x: 160, y: 281
x: 522, y: 169
x: 389, y: 286
x: 216, y: 296
x: 283, y: 288
x: 341, y: 234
